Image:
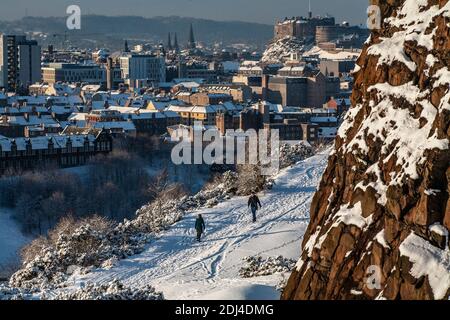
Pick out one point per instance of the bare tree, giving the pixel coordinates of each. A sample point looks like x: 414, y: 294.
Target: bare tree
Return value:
x: 162, y: 190
x: 250, y: 179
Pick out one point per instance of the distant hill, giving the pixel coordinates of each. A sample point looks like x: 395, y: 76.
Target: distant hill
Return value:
x: 100, y: 28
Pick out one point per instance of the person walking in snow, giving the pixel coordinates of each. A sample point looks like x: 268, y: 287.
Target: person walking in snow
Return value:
x: 199, y: 226
x: 253, y: 203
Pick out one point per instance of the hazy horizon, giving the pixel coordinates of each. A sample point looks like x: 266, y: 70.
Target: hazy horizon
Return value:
x: 260, y: 11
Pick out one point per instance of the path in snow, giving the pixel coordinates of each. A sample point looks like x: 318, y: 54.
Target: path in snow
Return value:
x: 184, y: 269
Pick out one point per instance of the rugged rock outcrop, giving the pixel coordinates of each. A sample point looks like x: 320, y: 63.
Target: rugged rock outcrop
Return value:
x: 281, y: 50
x: 381, y: 217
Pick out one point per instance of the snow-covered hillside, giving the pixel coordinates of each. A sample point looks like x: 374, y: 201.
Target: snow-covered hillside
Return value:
x: 11, y: 238
x: 184, y: 269
x: 333, y: 54
x: 282, y: 49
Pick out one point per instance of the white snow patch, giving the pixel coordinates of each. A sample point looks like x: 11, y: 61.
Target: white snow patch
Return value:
x: 248, y: 291
x: 356, y: 292
x: 431, y: 192
x: 439, y: 229
x: 381, y: 239
x: 431, y: 60
x: 430, y: 261
x: 391, y: 50
x: 442, y: 76
x: 352, y: 216
x: 11, y: 238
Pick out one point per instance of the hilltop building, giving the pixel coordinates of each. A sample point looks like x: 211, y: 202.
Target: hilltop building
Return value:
x: 321, y: 30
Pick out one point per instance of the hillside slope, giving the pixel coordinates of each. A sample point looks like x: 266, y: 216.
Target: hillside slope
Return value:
x: 11, y: 239
x: 183, y: 269
x: 112, y: 30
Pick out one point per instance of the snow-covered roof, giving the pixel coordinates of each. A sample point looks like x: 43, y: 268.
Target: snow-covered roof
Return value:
x: 32, y: 120
x: 230, y: 106
x: 272, y: 106
x: 208, y: 109
x: 71, y: 100
x: 176, y: 108
x: 300, y: 68
x: 41, y: 143
x: 125, y: 125
x: 230, y: 65
x: 23, y: 109
x: 323, y: 119
x: 61, y: 109
x: 31, y: 100
x: 138, y: 114
x: 171, y: 114
x: 188, y: 82
x: 184, y: 93
x: 251, y: 68
x: 10, y: 110
x: 162, y: 105
x: 78, y: 116
x: 91, y: 87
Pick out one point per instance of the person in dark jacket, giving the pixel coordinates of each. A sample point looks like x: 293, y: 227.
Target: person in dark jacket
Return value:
x: 199, y: 226
x: 254, y: 203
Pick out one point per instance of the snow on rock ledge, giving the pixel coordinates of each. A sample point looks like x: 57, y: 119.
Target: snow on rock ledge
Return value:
x: 389, y: 175
x: 428, y: 261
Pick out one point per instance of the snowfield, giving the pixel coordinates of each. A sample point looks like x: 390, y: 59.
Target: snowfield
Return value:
x: 11, y: 238
x: 183, y: 269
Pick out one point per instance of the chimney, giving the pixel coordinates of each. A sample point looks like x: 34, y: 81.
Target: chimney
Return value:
x: 109, y: 74
x: 264, y: 86
x: 264, y: 110
x: 128, y: 103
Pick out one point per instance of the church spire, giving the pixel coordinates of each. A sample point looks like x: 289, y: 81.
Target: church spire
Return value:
x: 169, y: 42
x: 310, y: 10
x: 191, y: 43
x: 175, y: 44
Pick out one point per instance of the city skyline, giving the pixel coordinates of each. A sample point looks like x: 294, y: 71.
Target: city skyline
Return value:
x: 207, y: 9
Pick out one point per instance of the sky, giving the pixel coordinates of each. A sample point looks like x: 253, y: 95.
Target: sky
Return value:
x: 262, y: 11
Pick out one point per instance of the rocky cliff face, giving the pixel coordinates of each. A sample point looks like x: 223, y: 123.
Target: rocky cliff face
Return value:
x: 381, y: 217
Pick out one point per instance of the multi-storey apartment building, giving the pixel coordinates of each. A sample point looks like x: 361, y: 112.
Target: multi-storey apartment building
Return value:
x: 20, y: 62
x: 146, y: 69
x: 71, y: 72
